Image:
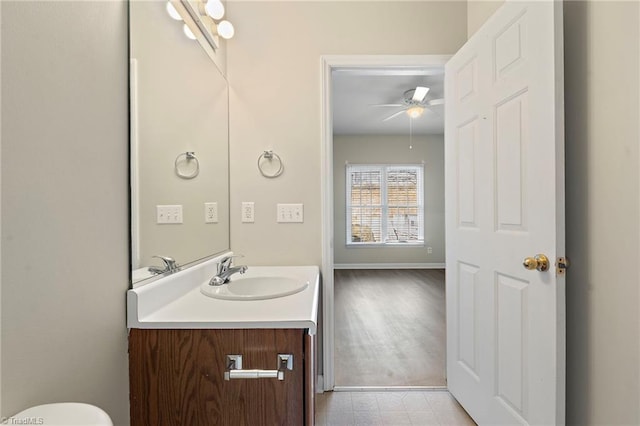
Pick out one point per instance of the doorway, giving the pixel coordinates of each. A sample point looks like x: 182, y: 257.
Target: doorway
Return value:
x: 398, y: 64
x: 390, y: 328
x: 505, y: 242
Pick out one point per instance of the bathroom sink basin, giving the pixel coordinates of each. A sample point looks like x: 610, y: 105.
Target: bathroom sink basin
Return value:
x: 255, y: 288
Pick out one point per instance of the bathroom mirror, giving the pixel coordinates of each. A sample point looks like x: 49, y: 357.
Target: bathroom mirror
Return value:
x: 179, y: 144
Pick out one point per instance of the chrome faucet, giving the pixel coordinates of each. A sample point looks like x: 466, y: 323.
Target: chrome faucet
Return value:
x: 170, y: 266
x: 225, y: 270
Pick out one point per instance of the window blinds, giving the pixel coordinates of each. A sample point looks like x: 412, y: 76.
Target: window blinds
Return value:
x: 384, y: 204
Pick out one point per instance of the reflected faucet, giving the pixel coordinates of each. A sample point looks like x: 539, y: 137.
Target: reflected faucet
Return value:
x: 170, y: 266
x: 225, y: 270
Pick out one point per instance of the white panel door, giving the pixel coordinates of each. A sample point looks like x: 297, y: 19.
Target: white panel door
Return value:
x: 504, y: 161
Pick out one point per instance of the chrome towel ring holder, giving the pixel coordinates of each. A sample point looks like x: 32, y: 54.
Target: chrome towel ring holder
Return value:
x: 182, y: 161
x: 270, y: 156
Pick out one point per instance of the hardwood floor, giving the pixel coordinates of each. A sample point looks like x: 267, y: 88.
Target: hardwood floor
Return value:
x: 390, y: 328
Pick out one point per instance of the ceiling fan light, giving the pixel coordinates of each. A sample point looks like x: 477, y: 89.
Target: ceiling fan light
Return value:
x: 415, y: 111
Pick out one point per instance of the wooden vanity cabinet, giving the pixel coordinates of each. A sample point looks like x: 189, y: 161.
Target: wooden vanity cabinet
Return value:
x: 177, y: 377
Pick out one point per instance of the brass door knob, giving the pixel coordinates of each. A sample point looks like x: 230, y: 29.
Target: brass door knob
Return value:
x: 539, y: 262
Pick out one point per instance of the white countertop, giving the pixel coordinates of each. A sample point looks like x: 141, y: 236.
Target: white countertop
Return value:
x: 176, y: 302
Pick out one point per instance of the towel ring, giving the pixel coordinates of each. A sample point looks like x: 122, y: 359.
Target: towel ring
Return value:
x: 270, y: 155
x: 188, y: 156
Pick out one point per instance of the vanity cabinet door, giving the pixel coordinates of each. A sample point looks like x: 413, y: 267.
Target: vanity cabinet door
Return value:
x: 177, y: 377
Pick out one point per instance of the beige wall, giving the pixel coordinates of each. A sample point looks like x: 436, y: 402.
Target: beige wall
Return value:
x: 376, y: 149
x: 602, y: 137
x: 64, y: 205
x: 273, y: 65
x: 182, y: 106
x: 602, y: 115
x: 478, y: 11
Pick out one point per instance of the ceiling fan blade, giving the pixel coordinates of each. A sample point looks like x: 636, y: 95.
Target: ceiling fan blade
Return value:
x: 433, y: 111
x: 387, y: 105
x: 420, y: 93
x: 394, y: 115
x: 433, y: 102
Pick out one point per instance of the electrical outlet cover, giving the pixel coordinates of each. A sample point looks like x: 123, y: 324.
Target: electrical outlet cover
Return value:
x: 211, y: 212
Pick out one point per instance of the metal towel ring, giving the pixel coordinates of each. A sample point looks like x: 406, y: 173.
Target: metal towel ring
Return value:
x: 188, y: 156
x: 270, y: 155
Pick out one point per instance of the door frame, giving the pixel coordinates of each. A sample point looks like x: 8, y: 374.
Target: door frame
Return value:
x: 326, y: 381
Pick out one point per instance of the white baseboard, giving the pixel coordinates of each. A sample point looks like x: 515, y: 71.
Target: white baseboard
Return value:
x: 389, y: 266
x: 389, y: 388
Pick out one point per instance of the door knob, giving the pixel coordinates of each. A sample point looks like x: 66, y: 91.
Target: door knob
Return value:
x: 539, y: 262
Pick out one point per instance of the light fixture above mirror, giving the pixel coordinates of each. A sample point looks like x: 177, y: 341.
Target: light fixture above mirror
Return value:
x: 171, y: 10
x: 206, y: 16
x: 215, y: 9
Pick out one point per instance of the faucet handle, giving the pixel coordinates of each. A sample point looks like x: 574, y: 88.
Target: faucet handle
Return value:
x: 169, y: 262
x: 225, y: 262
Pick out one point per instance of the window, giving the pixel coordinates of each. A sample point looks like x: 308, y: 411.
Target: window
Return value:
x: 384, y: 204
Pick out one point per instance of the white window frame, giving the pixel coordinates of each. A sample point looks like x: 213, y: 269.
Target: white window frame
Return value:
x: 384, y: 169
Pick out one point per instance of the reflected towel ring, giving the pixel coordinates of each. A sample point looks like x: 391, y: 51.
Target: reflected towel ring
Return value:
x: 188, y: 156
x: 270, y: 155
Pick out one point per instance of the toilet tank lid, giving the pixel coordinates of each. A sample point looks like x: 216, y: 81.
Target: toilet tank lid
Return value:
x: 67, y: 413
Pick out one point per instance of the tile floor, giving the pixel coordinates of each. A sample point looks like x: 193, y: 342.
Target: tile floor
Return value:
x: 390, y: 408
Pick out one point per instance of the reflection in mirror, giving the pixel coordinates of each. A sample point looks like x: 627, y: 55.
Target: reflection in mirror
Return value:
x: 179, y: 146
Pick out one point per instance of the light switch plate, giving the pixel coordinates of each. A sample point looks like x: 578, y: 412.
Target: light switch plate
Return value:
x: 290, y: 213
x: 169, y: 214
x: 248, y: 212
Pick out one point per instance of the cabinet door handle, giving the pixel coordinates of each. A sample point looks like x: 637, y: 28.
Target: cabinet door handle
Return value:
x: 234, y: 368
x: 253, y: 374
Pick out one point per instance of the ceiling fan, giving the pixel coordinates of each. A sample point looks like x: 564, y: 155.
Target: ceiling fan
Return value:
x: 414, y: 103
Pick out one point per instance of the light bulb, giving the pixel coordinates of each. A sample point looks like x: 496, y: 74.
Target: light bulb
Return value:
x: 171, y: 10
x: 188, y: 32
x: 225, y: 29
x: 215, y: 9
x: 415, y: 111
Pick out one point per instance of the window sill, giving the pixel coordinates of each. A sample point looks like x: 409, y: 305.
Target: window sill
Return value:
x: 408, y: 244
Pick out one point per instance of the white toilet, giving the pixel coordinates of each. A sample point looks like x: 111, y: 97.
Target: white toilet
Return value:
x: 65, y: 414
